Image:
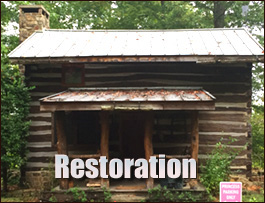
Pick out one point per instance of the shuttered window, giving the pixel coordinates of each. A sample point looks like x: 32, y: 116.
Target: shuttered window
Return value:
x: 73, y: 75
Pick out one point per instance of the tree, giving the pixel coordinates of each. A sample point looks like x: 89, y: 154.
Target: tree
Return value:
x: 219, y: 13
x: 14, y: 111
x: 14, y: 105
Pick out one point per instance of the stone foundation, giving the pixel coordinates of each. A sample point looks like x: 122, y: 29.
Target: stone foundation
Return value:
x: 40, y: 180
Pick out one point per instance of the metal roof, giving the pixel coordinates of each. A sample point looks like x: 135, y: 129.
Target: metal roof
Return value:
x: 130, y: 94
x: 193, y: 42
x: 127, y: 97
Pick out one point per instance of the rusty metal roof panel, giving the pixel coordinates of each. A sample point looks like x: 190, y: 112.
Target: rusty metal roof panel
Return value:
x: 130, y: 95
x: 76, y: 43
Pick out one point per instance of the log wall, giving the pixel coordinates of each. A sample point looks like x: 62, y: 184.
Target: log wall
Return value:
x: 229, y: 83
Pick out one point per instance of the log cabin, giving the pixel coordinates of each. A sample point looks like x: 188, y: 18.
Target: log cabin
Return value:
x: 134, y: 94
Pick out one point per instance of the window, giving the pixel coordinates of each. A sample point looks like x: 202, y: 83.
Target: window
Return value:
x: 73, y: 75
x: 80, y: 127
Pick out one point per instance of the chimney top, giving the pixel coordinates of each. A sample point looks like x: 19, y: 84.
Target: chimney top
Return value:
x: 31, y: 19
x: 34, y: 9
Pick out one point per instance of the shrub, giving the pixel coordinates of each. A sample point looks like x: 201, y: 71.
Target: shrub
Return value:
x: 257, y: 122
x: 107, y: 194
x: 163, y: 194
x: 15, y: 100
x: 217, y: 167
x: 78, y: 194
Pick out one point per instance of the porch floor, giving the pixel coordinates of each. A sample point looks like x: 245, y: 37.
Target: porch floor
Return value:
x: 128, y: 184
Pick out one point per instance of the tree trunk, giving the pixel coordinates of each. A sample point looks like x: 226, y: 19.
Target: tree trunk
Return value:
x: 4, y: 179
x: 22, y: 176
x: 219, y: 14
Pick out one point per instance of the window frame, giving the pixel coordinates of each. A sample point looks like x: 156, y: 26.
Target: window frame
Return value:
x: 65, y: 67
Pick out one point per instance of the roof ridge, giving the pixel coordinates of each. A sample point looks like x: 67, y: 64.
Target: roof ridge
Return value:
x: 142, y: 30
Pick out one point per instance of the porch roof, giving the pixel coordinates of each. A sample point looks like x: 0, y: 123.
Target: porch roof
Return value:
x: 157, y: 98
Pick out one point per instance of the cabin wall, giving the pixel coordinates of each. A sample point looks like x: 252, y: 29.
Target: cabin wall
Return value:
x: 229, y: 83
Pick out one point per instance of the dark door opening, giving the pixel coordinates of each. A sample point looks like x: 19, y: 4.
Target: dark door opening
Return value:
x: 132, y: 136
x: 131, y: 144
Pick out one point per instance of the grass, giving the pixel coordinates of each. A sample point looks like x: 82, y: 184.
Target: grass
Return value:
x: 253, y: 197
x: 11, y: 199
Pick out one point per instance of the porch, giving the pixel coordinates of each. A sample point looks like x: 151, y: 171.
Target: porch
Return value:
x: 116, y: 113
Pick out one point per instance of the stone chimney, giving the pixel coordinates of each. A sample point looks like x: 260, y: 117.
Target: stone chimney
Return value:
x: 32, y: 18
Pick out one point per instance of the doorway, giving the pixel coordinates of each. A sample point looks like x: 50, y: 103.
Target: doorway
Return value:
x: 131, y: 146
x: 132, y: 135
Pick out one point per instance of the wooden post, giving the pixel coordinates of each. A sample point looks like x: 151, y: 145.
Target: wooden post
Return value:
x: 104, y: 143
x: 148, y: 144
x: 61, y: 143
x: 195, y: 136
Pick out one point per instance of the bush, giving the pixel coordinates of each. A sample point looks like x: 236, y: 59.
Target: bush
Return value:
x: 163, y: 194
x: 257, y: 122
x: 217, y: 167
x: 78, y: 194
x: 15, y: 100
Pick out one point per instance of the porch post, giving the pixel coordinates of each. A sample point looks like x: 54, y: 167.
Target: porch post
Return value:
x: 61, y: 143
x: 104, y: 143
x: 148, y: 144
x: 195, y: 136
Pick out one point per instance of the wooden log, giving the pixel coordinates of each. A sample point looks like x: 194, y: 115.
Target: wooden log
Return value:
x: 104, y: 143
x: 62, y: 143
x: 148, y: 145
x: 84, y: 156
x: 175, y: 156
x: 195, y: 136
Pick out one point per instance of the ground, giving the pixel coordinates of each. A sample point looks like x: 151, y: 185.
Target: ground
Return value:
x: 253, y: 191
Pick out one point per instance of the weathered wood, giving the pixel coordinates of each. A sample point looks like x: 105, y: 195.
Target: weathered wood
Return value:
x: 84, y: 156
x: 148, y: 143
x: 62, y: 143
x: 223, y: 128
x: 195, y: 136
x: 40, y: 128
x: 175, y: 156
x: 224, y: 81
x: 104, y: 142
x: 122, y: 59
x: 39, y: 138
x: 81, y: 106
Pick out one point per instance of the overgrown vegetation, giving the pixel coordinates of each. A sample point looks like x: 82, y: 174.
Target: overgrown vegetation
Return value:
x: 15, y: 100
x: 107, y: 194
x: 53, y: 182
x: 253, y: 196
x: 257, y: 123
x: 217, y: 167
x: 78, y: 194
x: 163, y: 194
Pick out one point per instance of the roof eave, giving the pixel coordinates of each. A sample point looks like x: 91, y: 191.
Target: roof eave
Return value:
x: 115, y: 59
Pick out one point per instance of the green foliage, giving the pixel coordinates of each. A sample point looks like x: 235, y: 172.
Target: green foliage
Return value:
x: 78, y: 194
x: 53, y: 199
x: 163, y: 194
x: 257, y: 122
x: 107, y: 194
x: 258, y: 82
x: 15, y: 100
x: 217, y: 167
x: 53, y: 182
x: 251, y: 196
